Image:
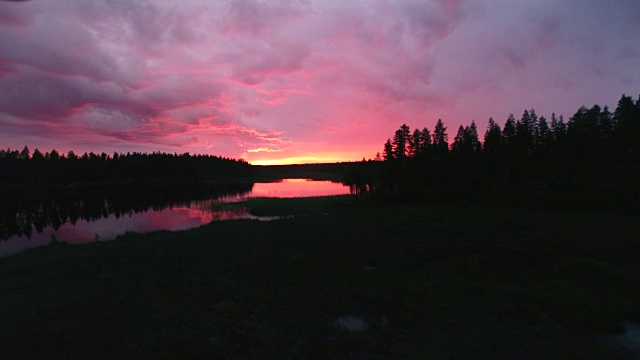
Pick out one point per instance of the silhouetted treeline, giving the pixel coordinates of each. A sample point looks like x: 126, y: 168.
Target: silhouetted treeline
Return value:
x: 21, y: 215
x: 51, y: 169
x: 593, y: 158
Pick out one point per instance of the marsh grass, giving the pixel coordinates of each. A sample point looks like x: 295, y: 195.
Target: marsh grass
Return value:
x: 448, y: 282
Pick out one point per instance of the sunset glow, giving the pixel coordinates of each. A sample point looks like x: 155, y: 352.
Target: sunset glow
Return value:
x: 290, y: 188
x: 287, y: 81
x: 304, y: 160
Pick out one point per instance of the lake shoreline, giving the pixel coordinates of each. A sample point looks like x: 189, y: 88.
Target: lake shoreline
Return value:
x: 80, y: 217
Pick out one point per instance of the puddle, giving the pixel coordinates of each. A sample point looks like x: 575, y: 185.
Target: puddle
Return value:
x: 626, y: 344
x: 351, y: 324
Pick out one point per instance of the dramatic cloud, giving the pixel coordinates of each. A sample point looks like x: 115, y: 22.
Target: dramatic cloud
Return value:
x: 297, y: 80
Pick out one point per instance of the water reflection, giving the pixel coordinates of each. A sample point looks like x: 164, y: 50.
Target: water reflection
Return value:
x: 173, y: 219
x: 26, y: 215
x: 29, y: 221
x: 291, y: 188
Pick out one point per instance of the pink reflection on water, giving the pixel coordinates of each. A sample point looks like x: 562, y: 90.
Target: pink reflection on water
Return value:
x: 195, y: 214
x: 291, y: 188
x: 177, y: 218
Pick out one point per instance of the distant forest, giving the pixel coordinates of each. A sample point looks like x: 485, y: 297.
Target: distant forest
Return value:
x: 37, y: 170
x: 593, y: 158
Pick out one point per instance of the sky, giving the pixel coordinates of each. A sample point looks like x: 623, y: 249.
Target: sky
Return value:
x: 297, y: 81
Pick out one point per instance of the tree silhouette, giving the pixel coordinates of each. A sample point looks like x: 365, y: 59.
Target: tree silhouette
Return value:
x: 388, y: 151
x: 425, y: 141
x: 593, y: 158
x: 25, y: 154
x: 415, y: 143
x: 400, y: 142
x: 440, y: 138
x: 493, y: 141
x: 37, y: 155
x: 19, y: 170
x: 509, y: 131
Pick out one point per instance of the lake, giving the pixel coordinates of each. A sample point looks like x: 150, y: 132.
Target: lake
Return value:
x: 103, y: 215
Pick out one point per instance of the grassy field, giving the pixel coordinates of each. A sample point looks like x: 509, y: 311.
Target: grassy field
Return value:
x: 340, y: 280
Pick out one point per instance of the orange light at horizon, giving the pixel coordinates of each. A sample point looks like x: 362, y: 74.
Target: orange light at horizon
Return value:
x: 303, y: 160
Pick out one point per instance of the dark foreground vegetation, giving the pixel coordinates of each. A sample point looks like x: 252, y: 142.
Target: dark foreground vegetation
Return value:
x: 462, y: 282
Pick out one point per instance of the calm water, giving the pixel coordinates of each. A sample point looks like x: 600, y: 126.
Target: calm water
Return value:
x: 90, y: 217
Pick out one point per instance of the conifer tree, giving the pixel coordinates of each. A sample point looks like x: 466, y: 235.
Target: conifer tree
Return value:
x: 440, y: 137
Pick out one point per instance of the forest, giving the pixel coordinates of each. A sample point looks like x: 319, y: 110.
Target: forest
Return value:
x: 593, y: 158
x: 36, y: 170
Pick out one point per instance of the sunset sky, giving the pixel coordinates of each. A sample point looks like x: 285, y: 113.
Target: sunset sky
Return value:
x: 295, y: 81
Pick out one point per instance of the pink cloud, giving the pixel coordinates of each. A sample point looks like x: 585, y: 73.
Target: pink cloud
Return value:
x: 255, y: 18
